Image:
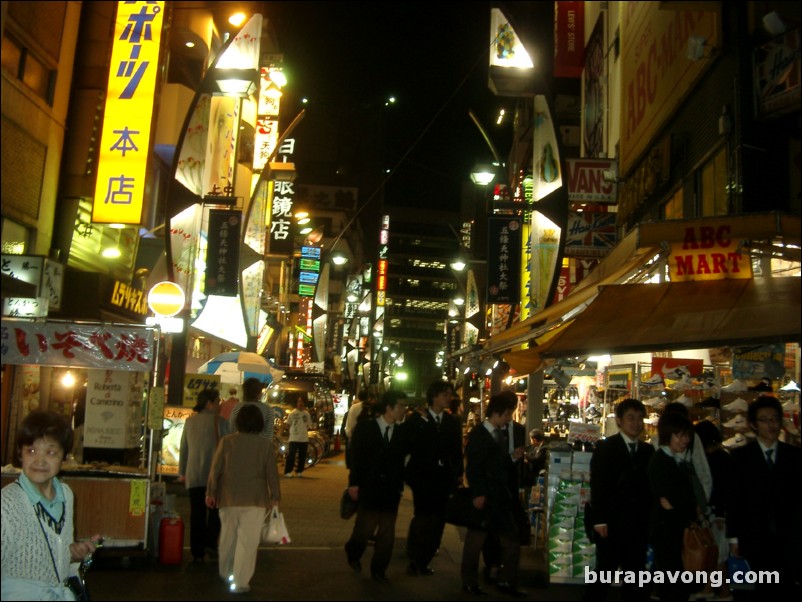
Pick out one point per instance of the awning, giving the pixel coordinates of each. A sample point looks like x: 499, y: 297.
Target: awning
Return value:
x: 635, y: 318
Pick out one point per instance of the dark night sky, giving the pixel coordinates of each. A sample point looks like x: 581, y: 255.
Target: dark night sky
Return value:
x: 348, y: 57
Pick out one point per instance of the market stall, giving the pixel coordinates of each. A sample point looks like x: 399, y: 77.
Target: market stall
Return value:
x: 96, y: 375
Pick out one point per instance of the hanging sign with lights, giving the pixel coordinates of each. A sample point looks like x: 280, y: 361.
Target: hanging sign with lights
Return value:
x: 125, y: 138
x: 309, y: 271
x: 503, y: 258
x: 281, y: 234
x: 222, y: 253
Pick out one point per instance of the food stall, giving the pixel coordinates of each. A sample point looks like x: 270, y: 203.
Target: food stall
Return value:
x: 97, y: 375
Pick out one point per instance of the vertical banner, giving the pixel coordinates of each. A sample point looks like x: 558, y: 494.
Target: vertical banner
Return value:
x: 526, y: 270
x: 127, y: 119
x: 222, y: 253
x: 545, y: 254
x: 503, y: 260
x: 569, y: 38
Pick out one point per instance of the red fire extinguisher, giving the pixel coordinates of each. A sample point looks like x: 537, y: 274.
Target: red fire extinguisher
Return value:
x: 171, y: 540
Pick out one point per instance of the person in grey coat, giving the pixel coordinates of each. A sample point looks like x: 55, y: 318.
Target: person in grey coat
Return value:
x: 199, y: 440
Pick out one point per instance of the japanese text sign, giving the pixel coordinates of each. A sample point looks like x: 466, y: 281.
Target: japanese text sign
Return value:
x: 503, y: 259
x: 78, y: 345
x: 125, y: 140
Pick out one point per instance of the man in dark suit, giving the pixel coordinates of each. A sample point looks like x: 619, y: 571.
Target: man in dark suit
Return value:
x: 487, y: 470
x: 621, y: 500
x: 433, y: 472
x: 763, y: 519
x: 376, y: 481
x: 514, y: 437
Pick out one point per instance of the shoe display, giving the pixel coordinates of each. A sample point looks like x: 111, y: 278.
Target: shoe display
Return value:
x: 736, y: 386
x: 474, y: 590
x: 739, y: 405
x: 736, y: 441
x: 652, y: 419
x: 685, y: 400
x: 683, y: 385
x: 676, y: 372
x: 652, y: 401
x: 510, y: 590
x: 655, y: 380
x: 737, y: 422
x: 791, y: 387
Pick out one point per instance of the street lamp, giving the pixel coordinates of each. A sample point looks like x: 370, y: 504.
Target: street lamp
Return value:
x: 483, y: 174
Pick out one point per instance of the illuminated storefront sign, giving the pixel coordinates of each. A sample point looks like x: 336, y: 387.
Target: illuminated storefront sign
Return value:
x: 708, y: 253
x: 309, y: 265
x: 125, y: 139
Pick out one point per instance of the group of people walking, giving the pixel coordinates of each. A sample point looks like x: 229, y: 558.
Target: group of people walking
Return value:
x: 646, y: 494
x: 389, y: 447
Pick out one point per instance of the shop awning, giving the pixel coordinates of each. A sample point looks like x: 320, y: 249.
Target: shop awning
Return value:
x: 634, y: 318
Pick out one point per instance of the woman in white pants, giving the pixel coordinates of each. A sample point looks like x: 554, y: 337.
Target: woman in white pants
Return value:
x: 243, y: 483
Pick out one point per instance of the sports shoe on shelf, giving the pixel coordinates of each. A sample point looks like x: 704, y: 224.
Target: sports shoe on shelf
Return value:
x: 791, y: 387
x: 652, y: 419
x: 685, y: 400
x: 676, y: 373
x: 737, y: 422
x: 736, y: 386
x: 652, y: 401
x: 736, y: 440
x: 683, y: 384
x: 655, y: 380
x: 739, y: 405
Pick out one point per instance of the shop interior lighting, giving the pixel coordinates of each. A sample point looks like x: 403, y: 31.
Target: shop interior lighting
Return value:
x: 237, y: 19
x: 68, y: 380
x: 111, y: 253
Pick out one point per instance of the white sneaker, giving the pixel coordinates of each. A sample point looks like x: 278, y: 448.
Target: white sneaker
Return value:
x: 677, y: 372
x: 683, y: 385
x: 739, y: 405
x: 736, y: 386
x: 299, y: 474
x: 737, y: 422
x: 737, y: 440
x: 288, y: 475
x: 790, y: 387
x: 653, y: 381
x: 652, y: 401
x: 652, y: 419
x: 685, y: 400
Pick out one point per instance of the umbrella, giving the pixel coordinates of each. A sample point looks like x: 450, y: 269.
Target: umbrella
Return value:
x: 237, y: 366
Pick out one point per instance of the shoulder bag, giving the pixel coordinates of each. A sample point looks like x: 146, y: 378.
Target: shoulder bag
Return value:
x: 699, y: 547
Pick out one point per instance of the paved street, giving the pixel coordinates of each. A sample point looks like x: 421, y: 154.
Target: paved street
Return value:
x: 313, y: 566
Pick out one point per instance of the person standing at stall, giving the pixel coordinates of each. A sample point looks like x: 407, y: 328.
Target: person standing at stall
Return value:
x: 300, y: 422
x: 243, y: 484
x: 38, y: 549
x: 199, y: 440
x: 227, y: 406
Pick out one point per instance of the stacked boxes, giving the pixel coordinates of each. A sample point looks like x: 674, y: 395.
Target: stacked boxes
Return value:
x: 569, y: 549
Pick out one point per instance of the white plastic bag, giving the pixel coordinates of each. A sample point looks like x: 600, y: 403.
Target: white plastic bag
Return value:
x: 274, y: 531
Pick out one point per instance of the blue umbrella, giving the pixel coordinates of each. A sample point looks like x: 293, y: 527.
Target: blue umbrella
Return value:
x: 237, y: 366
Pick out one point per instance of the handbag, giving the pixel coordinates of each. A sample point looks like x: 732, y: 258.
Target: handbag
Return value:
x: 77, y: 586
x: 461, y: 512
x: 699, y: 547
x: 347, y: 505
x: 274, y: 531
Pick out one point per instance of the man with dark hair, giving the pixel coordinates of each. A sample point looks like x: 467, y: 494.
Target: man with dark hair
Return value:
x: 376, y: 481
x: 433, y: 472
x: 487, y: 471
x: 763, y: 520
x: 621, y: 500
x: 251, y: 394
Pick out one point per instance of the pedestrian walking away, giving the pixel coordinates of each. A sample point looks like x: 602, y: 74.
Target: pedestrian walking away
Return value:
x: 299, y: 422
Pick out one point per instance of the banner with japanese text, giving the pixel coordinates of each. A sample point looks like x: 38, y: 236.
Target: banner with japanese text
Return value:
x: 127, y: 119
x: 77, y: 345
x: 222, y: 253
x: 503, y: 260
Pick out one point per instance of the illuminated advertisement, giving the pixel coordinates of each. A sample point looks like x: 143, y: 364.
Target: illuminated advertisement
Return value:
x: 125, y: 138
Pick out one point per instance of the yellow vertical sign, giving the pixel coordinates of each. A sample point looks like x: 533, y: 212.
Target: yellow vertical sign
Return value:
x: 125, y: 139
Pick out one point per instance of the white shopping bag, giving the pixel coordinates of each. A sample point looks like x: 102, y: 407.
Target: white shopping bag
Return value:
x: 274, y: 531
